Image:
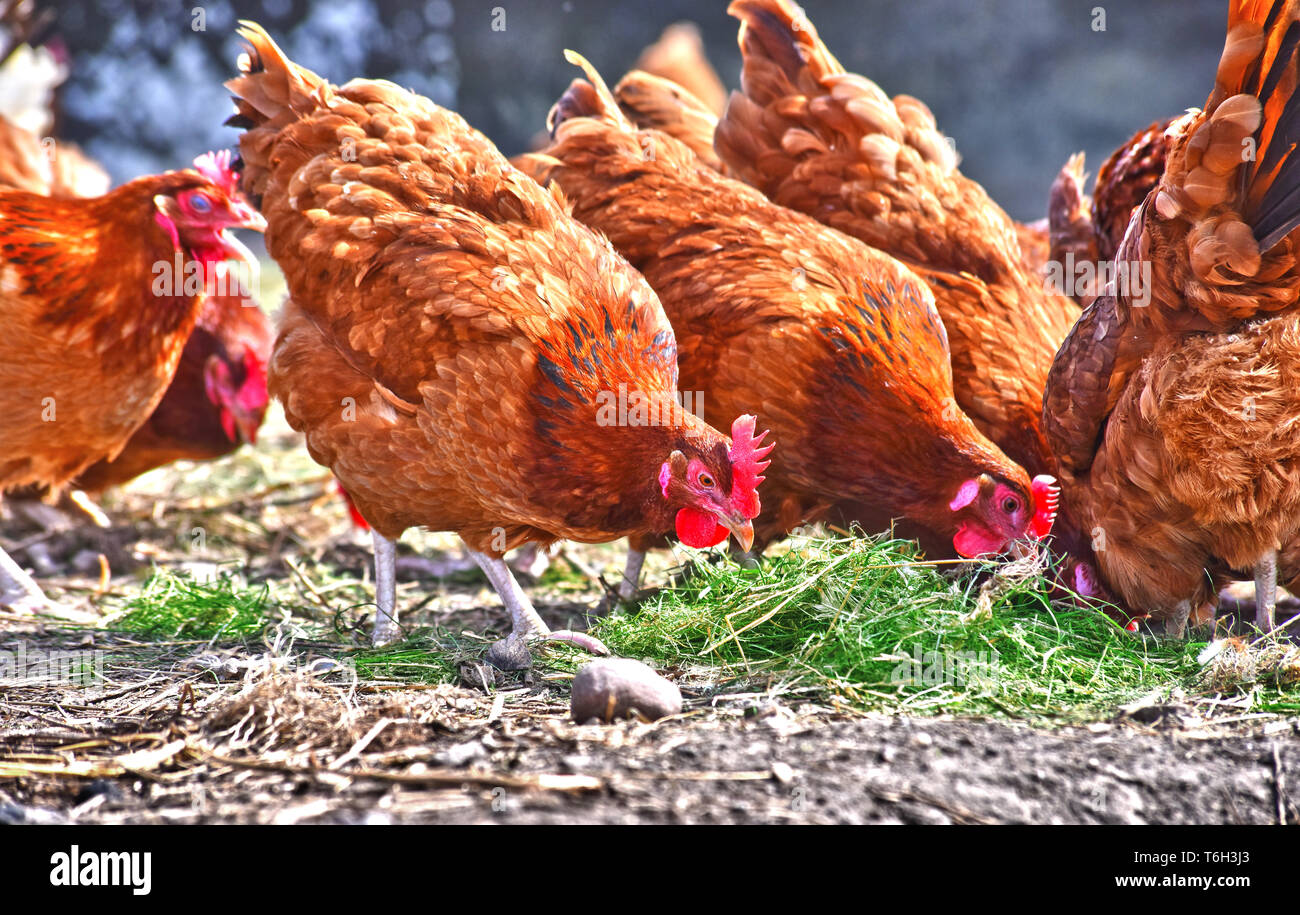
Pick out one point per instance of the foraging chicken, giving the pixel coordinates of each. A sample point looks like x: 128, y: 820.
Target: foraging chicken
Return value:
x: 831, y: 144
x: 453, y: 340
x: 835, y: 346
x: 97, y: 301
x: 217, y: 399
x: 1172, y: 406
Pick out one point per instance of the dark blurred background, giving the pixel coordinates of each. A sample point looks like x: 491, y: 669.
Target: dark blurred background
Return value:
x: 1019, y: 84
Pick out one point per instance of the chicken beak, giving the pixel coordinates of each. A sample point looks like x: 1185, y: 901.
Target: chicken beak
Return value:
x: 246, y: 217
x: 742, y: 529
x: 236, y: 250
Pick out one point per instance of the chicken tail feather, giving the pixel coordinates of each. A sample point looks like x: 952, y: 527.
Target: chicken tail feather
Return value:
x: 586, y: 99
x: 269, y: 92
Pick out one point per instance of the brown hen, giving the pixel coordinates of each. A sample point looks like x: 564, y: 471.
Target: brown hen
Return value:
x: 217, y: 399
x: 454, y: 339
x: 832, y: 144
x: 1172, y: 406
x: 836, y: 347
x: 96, y: 311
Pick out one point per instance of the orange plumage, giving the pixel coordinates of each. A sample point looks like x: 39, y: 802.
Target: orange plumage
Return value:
x: 1171, y: 407
x: 829, y: 143
x: 452, y: 333
x: 836, y: 347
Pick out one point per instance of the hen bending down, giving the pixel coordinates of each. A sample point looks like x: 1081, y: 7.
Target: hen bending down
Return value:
x: 1174, y: 405
x: 454, y: 340
x: 836, y: 347
x: 831, y: 144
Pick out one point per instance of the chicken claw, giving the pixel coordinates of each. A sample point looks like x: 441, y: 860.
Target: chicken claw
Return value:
x: 511, y: 653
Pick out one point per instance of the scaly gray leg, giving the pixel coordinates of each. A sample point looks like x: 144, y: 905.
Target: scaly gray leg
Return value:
x: 1265, y: 590
x: 385, y: 630
x: 1176, y: 625
x: 511, y: 653
x: 627, y: 588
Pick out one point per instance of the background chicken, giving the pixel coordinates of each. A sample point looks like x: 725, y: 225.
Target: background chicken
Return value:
x: 42, y: 166
x: 452, y: 333
x: 93, y: 332
x: 1173, y: 405
x: 1091, y: 228
x: 836, y: 347
x: 678, y: 57
x: 217, y: 399
x: 832, y: 144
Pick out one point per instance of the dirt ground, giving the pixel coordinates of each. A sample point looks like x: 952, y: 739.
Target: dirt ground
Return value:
x: 294, y: 750
x: 280, y: 732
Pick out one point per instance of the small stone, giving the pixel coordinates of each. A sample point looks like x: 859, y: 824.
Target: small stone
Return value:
x: 462, y: 754
x: 611, y: 688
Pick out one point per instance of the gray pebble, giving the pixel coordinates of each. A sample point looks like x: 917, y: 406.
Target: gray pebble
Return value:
x: 611, y: 688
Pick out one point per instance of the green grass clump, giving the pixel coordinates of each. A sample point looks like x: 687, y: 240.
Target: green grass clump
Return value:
x: 427, y: 656
x: 861, y: 622
x: 173, y: 605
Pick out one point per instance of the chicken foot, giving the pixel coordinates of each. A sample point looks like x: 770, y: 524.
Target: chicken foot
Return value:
x: 511, y: 653
x: 18, y: 590
x: 1265, y: 591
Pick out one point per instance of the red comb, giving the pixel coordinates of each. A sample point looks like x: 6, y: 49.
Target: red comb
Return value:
x: 747, y: 464
x: 1047, y: 496
x: 215, y: 166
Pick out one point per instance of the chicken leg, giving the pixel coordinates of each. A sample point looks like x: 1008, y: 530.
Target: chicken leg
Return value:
x: 511, y: 653
x: 1176, y: 624
x: 17, y: 589
x: 1265, y: 591
x: 385, y: 630
x: 631, y: 574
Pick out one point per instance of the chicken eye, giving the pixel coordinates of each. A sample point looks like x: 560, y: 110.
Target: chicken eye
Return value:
x: 705, y: 480
x: 1010, y: 505
x: 200, y: 203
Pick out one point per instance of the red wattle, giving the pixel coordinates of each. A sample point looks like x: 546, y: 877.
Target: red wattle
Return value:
x: 699, y: 529
x: 972, y: 541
